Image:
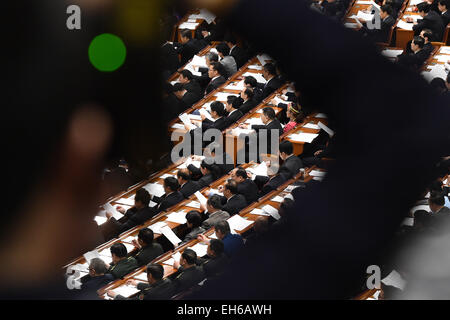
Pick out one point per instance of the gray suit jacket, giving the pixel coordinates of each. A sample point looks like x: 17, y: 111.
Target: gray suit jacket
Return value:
x: 229, y: 65
x: 193, y: 234
x: 214, y: 218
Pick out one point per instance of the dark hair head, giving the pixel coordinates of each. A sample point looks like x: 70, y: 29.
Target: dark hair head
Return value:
x: 212, y: 169
x: 186, y: 33
x: 269, y: 113
x: 231, y: 185
x: 190, y: 256
x: 194, y: 218
x: 217, y: 66
x: 439, y: 84
x: 261, y: 225
x: 437, y: 198
x: 230, y: 38
x: 445, y: 3
x: 423, y: 7
x: 186, y: 74
x: 286, y: 206
x: 250, y: 80
x: 241, y: 173
x: 222, y: 226
x: 212, y: 57
x: 387, y: 8
x: 270, y: 69
x: 223, y: 49
x: 214, y: 201
x: 422, y: 218
x: 184, y: 174
x: 217, y: 246
x: 230, y: 100
x: 119, y: 250
x: 156, y: 270
x: 249, y: 93
x: 419, y: 41
x: 286, y: 147
x: 171, y: 183
x: 427, y: 33
x: 146, y: 235
x: 143, y: 196
x: 218, y: 107
x: 177, y: 87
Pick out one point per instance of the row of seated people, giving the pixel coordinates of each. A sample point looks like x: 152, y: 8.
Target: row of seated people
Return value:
x: 191, y: 269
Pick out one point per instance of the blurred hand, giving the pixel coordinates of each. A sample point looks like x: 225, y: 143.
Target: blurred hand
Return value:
x: 132, y: 283
x: 111, y: 294
x: 136, y: 244
x: 121, y: 209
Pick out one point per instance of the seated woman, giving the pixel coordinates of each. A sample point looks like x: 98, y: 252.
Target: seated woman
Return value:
x: 193, y: 222
x: 295, y: 116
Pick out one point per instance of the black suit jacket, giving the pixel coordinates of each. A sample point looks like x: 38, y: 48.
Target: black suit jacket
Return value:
x: 188, y: 50
x: 432, y: 21
x: 214, y: 84
x: 160, y: 290
x: 268, y: 88
x: 148, y: 253
x: 132, y: 218
x: 219, y: 124
x: 233, y: 117
x: 413, y: 60
x: 445, y: 18
x: 273, y: 125
x: 189, y: 188
x: 247, y: 106
x: 235, y: 204
x: 382, y: 34
x: 290, y: 167
x: 194, y: 90
x: 239, y: 55
x: 205, y: 181
x: 249, y: 190
x: 272, y: 184
x: 186, y: 278
x: 167, y: 201
x: 214, y: 267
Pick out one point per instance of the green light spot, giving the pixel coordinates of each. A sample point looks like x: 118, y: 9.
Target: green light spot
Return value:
x: 107, y: 52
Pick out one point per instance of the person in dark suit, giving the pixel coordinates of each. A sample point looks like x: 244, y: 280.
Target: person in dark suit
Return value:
x: 171, y: 197
x: 217, y: 113
x: 185, y: 98
x: 208, y: 172
x: 146, y: 248
x: 194, y: 90
x: 387, y: 21
x: 291, y: 163
x: 270, y: 123
x: 426, y: 35
x: 248, y: 101
x: 431, y: 20
x: 222, y: 161
x: 98, y: 278
x: 259, y: 228
x: 187, y: 186
x: 157, y: 288
x: 188, y: 47
x: 232, y: 200
x: 226, y: 59
x: 204, y: 79
x: 188, y: 273
x: 251, y: 83
x: 441, y: 213
x: 216, y: 260
x: 134, y: 216
x: 193, y: 223
x: 232, y: 243
x: 233, y: 113
x: 214, y: 212
x: 417, y: 57
x: 121, y: 264
x: 245, y: 186
x: 169, y: 60
x: 273, y: 83
x: 271, y: 182
x: 216, y: 73
x: 239, y: 54
x: 443, y: 6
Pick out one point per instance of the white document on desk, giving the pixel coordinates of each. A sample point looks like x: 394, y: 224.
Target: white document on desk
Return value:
x: 259, y: 212
x: 259, y: 170
x: 109, y: 208
x: 255, y: 67
x: 207, y: 16
x: 238, y: 86
x: 257, y: 76
x: 238, y: 223
x: 188, y: 25
x: 350, y: 25
x: 126, y: 290
x: 166, y: 175
x: 254, y: 121
x: 303, y: 137
x: 156, y: 227
x: 222, y: 96
x: 444, y: 50
x: 178, y: 126
x: 317, y: 173
x: 277, y: 199
x: 326, y: 129
x: 390, y: 53
x: 206, y: 114
x: 201, y: 198
x: 126, y: 201
x: 364, y: 16
x: 272, y: 211
x: 155, y: 189
x: 200, y: 249
x: 199, y: 61
x: 186, y: 121
x: 176, y: 217
x: 141, y: 276
x: 442, y: 58
x: 193, y: 204
x: 170, y: 235
x: 311, y: 126
x: 91, y: 255
x: 238, y: 131
x: 100, y: 220
x: 404, y: 25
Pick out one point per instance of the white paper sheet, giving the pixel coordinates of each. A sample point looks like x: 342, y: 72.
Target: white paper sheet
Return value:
x: 126, y: 201
x: 194, y: 204
x: 272, y: 211
x: 317, y: 173
x: 170, y: 235
x: 303, y: 137
x: 91, y: 255
x: 238, y: 223
x: 390, y: 53
x: 100, y: 220
x: 277, y: 199
x: 404, y: 25
x: 259, y: 212
x: 126, y: 290
x: 326, y: 129
x: 201, y: 198
x: 200, y: 249
x: 176, y: 217
x: 156, y: 227
x: 109, y: 208
x: 311, y: 126
x: 155, y: 189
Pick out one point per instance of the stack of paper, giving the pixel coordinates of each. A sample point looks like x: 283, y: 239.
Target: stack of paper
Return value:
x: 170, y: 235
x: 155, y: 189
x: 126, y: 290
x: 254, y: 121
x: 175, y: 257
x: 436, y: 71
x: 277, y: 199
x: 194, y: 204
x: 390, y: 53
x: 222, y: 96
x: 264, y: 58
x: 404, y: 25
x: 238, y: 223
x: 444, y: 50
x: 126, y: 201
x: 156, y: 227
x: 207, y: 16
x: 272, y: 211
x: 255, y: 67
x: 199, y: 61
x: 364, y: 16
x: 260, y: 170
x: 257, y: 76
x: 100, y: 220
x: 176, y: 217
x: 311, y: 126
x: 188, y: 25
x: 109, y: 208
x: 200, y: 249
x: 91, y: 255
x: 201, y: 198
x: 316, y: 173
x: 442, y: 58
x: 259, y: 212
x: 303, y: 137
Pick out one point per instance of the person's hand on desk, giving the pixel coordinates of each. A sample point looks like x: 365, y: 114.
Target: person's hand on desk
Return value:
x: 176, y: 264
x: 132, y: 282
x: 317, y: 153
x: 203, y: 117
x: 111, y: 294
x: 203, y: 238
x: 243, y: 126
x: 273, y: 102
x: 202, y: 207
x: 136, y: 244
x: 121, y: 209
